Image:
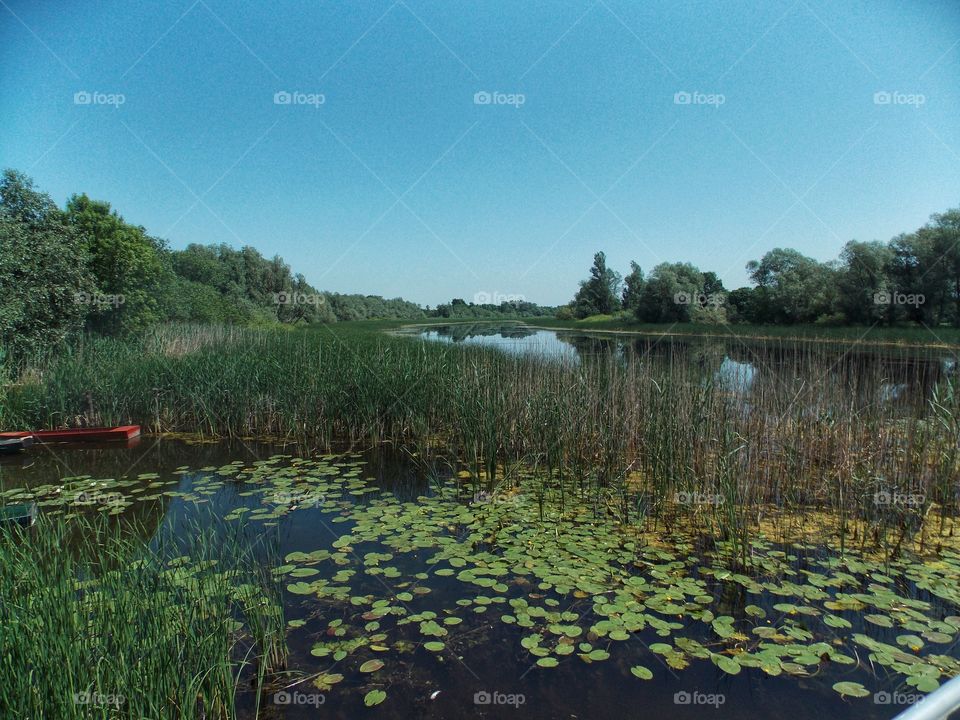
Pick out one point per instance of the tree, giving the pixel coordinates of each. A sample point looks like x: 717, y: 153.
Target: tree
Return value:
x: 42, y: 272
x: 744, y: 305
x: 598, y: 295
x: 797, y: 288
x: 944, y: 231
x: 912, y: 275
x: 632, y: 288
x: 671, y: 294
x: 713, y: 285
x: 131, y: 279
x: 863, y: 280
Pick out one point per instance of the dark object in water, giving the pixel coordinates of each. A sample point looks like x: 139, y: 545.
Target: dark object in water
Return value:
x: 9, y: 446
x: 24, y: 514
x: 123, y: 432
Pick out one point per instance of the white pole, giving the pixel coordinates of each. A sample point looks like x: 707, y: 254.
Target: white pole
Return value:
x: 935, y: 706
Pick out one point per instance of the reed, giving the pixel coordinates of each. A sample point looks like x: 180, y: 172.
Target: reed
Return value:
x: 96, y: 623
x: 658, y: 434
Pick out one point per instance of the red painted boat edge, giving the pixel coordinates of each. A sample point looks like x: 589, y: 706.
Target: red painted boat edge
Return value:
x: 123, y: 432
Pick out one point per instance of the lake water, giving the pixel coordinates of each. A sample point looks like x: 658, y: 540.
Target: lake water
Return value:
x: 888, y: 374
x: 598, y: 599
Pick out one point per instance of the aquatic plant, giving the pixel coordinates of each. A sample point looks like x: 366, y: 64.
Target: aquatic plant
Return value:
x: 397, y: 578
x: 812, y: 433
x: 97, y: 623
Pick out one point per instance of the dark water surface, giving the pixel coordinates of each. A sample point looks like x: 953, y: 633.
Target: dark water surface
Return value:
x: 310, y: 506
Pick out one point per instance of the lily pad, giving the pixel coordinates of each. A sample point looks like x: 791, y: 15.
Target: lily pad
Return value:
x: 374, y: 697
x: 851, y: 689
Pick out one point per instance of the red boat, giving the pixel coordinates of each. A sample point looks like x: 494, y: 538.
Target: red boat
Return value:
x: 90, y: 434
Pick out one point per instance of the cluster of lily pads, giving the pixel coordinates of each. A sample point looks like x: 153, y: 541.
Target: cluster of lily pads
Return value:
x: 399, y: 573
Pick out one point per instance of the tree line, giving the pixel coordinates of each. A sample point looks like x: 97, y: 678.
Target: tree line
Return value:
x: 913, y: 278
x: 85, y: 268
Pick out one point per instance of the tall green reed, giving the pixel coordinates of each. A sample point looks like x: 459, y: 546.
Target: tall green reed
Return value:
x: 812, y: 431
x: 96, y: 623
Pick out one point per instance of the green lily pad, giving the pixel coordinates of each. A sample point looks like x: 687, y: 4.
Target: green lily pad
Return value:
x: 725, y: 663
x: 851, y: 689
x: 374, y: 697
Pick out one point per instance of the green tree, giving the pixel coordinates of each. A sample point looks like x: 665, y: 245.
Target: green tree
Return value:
x: 131, y: 278
x: 43, y: 272
x: 671, y: 294
x: 632, y: 288
x: 745, y: 305
x: 944, y: 232
x: 913, y: 274
x: 599, y: 294
x: 798, y: 289
x: 863, y: 279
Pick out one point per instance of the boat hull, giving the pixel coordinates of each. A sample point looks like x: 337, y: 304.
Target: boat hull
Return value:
x: 123, y: 432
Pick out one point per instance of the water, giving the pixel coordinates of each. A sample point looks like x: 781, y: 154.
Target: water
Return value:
x: 309, y: 503
x: 885, y: 374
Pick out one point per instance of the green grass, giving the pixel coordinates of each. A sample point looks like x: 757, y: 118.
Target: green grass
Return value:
x: 95, y: 623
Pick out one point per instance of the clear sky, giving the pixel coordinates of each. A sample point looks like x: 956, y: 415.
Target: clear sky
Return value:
x: 403, y: 181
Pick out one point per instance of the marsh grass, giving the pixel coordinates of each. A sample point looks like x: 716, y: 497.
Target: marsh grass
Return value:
x: 96, y: 623
x: 634, y: 431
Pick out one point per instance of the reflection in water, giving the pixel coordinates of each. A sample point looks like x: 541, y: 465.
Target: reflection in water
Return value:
x: 512, y: 339
x: 881, y: 374
x: 735, y: 376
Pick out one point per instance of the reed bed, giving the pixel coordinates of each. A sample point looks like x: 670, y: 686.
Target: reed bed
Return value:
x: 647, y: 434
x: 96, y: 623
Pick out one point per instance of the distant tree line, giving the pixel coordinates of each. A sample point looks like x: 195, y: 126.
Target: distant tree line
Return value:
x: 85, y: 268
x: 514, y: 308
x: 913, y: 278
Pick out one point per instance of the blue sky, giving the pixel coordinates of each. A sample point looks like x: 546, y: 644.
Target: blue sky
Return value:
x: 404, y: 182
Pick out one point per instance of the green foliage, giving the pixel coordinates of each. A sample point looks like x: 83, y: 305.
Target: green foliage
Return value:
x: 600, y: 293
x: 671, y: 293
x: 798, y: 288
x: 161, y: 629
x: 42, y: 271
x: 915, y: 277
x: 459, y: 309
x: 130, y: 275
x: 632, y: 288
